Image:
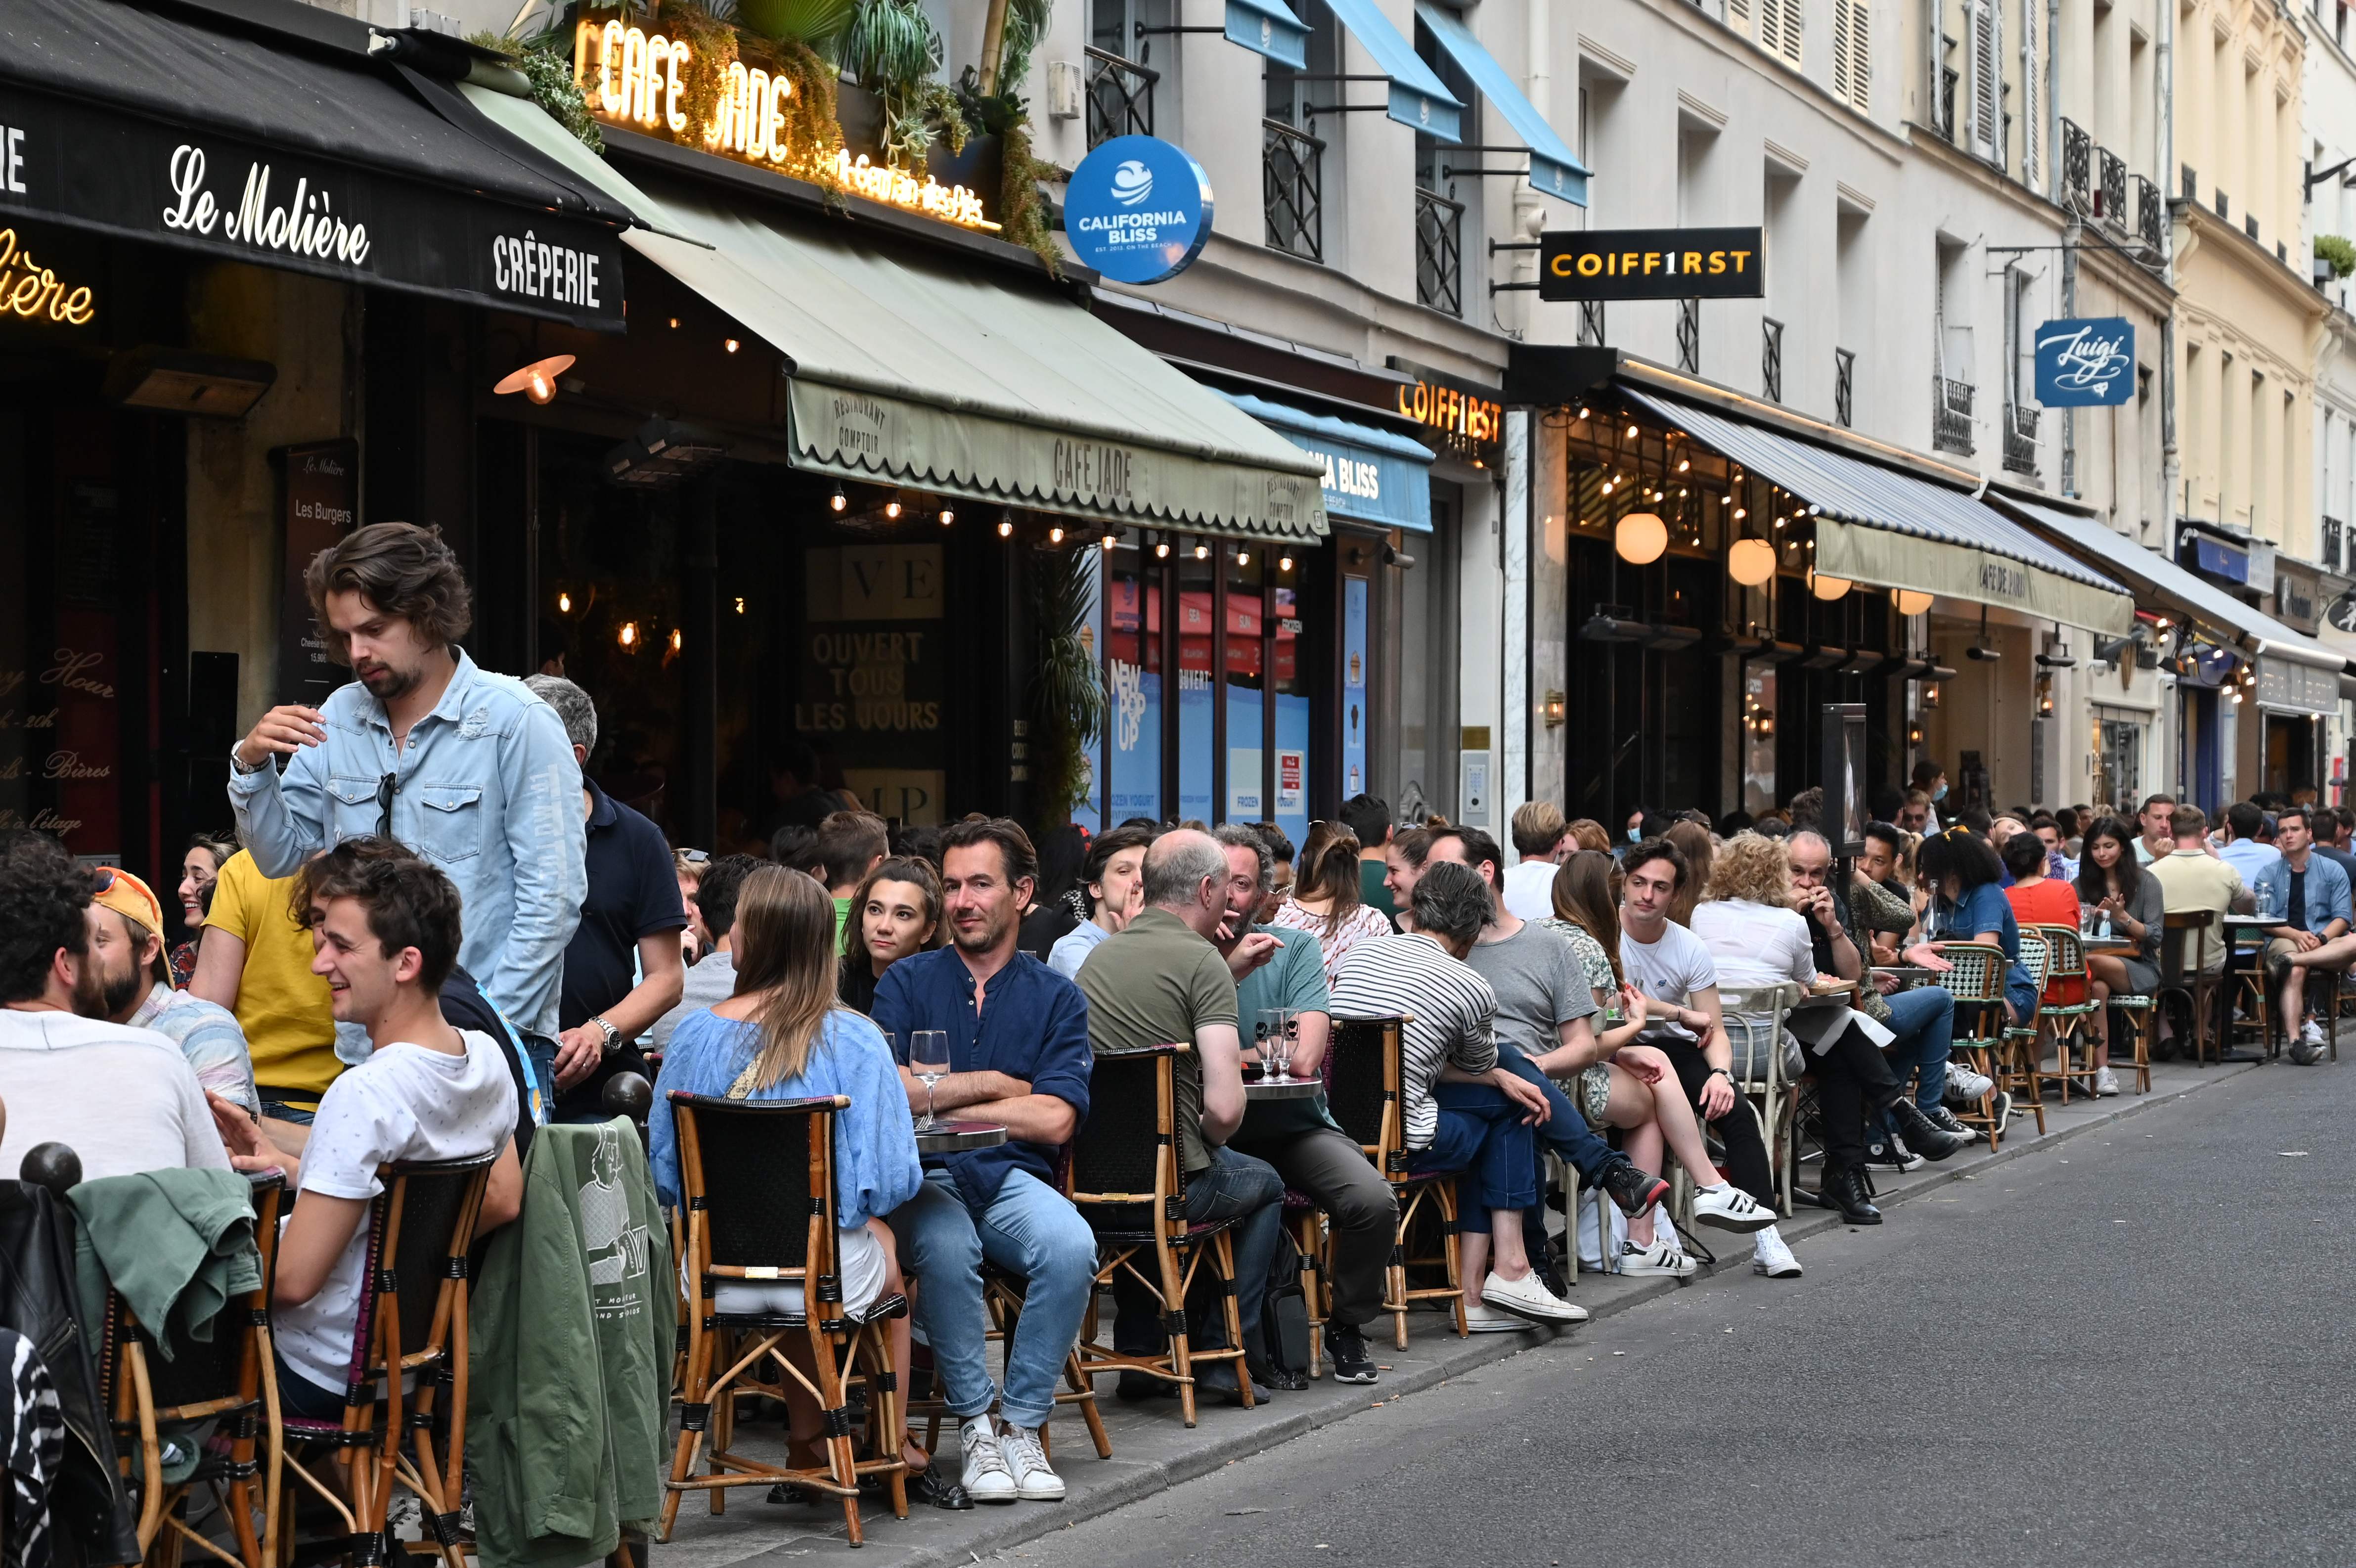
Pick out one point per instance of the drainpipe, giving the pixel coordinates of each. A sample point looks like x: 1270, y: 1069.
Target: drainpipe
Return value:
x: 2054, y: 96
x: 1934, y: 17
x: 2164, y: 62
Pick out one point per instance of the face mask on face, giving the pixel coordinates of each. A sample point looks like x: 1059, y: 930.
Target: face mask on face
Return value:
x: 1636, y: 835
x: 1940, y: 794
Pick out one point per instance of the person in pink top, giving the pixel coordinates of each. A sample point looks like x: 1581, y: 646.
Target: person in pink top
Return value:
x: 1325, y: 898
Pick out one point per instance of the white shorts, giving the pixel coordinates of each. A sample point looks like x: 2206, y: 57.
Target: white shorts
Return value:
x: 861, y: 1257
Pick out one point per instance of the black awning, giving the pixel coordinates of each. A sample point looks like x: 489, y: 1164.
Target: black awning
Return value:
x: 285, y: 151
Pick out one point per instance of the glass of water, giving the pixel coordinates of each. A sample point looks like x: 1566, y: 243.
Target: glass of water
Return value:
x: 928, y: 1059
x: 1272, y: 1030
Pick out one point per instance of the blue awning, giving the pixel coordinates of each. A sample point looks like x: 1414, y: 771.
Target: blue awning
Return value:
x: 1371, y: 476
x: 1269, y: 27
x: 1554, y: 170
x: 1419, y: 98
x: 1890, y: 529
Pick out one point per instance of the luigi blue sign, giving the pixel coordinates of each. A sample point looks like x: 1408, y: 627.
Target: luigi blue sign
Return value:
x: 1138, y: 209
x: 2086, y: 364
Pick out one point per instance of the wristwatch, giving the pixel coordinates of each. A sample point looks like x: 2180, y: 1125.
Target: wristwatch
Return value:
x: 613, y: 1036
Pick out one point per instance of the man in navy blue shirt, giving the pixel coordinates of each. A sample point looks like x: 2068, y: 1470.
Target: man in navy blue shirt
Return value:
x: 1018, y: 1055
x: 623, y: 969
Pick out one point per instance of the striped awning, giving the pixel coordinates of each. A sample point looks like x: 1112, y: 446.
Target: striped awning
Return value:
x: 1893, y: 530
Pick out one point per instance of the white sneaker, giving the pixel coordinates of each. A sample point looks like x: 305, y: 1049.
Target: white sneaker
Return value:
x: 1729, y: 1207
x: 987, y: 1479
x: 1662, y: 1257
x: 1528, y: 1297
x: 1965, y: 1085
x: 1035, y: 1481
x: 1479, y: 1319
x: 2106, y: 1083
x: 1770, y: 1255
x: 2311, y: 1032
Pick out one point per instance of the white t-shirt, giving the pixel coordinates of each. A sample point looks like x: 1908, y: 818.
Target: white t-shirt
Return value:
x: 1529, y: 889
x: 405, y: 1102
x: 1670, y: 970
x: 126, y: 1100
x: 1755, y: 944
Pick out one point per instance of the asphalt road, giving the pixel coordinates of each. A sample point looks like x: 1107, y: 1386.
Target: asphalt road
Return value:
x: 2128, y: 1350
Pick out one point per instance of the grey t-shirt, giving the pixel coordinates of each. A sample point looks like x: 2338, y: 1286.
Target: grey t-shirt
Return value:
x: 709, y: 983
x: 1670, y: 970
x: 1540, y: 986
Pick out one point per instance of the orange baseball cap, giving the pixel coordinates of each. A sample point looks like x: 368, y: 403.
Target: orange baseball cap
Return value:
x: 127, y: 895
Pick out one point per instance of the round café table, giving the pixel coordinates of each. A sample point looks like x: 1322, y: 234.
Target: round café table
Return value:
x: 949, y: 1137
x: 1282, y: 1089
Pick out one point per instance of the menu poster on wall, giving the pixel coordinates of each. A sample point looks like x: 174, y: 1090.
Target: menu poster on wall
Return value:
x: 1353, y: 686
x: 872, y: 679
x: 319, y: 502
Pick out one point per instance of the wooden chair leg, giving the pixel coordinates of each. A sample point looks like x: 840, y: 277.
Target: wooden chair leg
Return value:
x: 1447, y: 1190
x: 1173, y: 1307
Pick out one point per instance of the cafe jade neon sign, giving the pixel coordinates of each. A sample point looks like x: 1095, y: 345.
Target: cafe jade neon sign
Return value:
x: 632, y: 78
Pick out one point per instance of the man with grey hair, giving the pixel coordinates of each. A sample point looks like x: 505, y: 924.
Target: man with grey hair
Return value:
x: 1158, y: 981
x: 1300, y: 1137
x: 1461, y: 1112
x: 623, y: 969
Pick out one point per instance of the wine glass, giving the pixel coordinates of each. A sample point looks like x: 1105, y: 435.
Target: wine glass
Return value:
x: 1275, y: 1049
x: 928, y: 1059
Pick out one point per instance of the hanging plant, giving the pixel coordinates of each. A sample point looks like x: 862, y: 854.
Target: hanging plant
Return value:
x: 890, y: 46
x: 711, y: 49
x: 549, y: 74
x: 811, y: 113
x: 1022, y: 216
x: 1067, y: 696
x: 1026, y: 24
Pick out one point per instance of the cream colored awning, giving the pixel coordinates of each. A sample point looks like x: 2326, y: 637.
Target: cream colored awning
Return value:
x: 910, y: 367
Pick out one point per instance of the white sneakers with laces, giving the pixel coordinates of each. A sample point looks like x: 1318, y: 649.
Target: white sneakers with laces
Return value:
x: 1771, y: 1255
x: 1662, y: 1257
x: 1035, y: 1481
x: 1528, y: 1297
x: 1966, y: 1087
x: 1729, y: 1207
x: 987, y: 1478
x: 2106, y: 1083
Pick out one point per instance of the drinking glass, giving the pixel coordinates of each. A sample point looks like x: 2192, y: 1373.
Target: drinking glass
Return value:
x: 928, y: 1059
x: 1275, y: 1047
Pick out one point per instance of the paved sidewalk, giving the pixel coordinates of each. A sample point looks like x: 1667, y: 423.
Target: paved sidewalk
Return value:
x: 1152, y: 1449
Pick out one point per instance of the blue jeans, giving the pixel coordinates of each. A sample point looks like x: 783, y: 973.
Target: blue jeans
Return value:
x: 1486, y: 1142
x: 1030, y: 1229
x: 1564, y: 1130
x: 279, y: 1111
x: 1923, y: 1019
x: 1234, y: 1186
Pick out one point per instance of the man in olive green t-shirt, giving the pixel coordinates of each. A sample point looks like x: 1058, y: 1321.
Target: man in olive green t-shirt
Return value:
x: 1160, y: 982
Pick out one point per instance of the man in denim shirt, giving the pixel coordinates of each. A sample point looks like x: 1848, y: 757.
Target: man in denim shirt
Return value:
x: 467, y: 768
x: 2310, y: 892
x: 1018, y: 1055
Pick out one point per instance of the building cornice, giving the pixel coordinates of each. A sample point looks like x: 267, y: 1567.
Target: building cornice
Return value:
x: 2247, y: 257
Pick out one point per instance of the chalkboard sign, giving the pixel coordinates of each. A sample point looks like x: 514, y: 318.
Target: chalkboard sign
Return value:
x: 319, y: 498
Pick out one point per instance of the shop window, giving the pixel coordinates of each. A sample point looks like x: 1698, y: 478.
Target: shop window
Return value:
x: 1291, y: 694
x: 2118, y: 761
x: 1132, y: 753
x: 1197, y: 626
x: 1246, y: 684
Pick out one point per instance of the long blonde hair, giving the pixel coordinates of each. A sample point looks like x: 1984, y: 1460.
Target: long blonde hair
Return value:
x: 785, y: 954
x: 1694, y: 840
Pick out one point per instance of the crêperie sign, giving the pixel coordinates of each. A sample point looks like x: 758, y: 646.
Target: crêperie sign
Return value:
x: 1138, y: 209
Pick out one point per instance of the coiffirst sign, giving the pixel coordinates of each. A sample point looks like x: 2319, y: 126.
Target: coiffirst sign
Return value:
x: 1652, y: 264
x: 1138, y: 209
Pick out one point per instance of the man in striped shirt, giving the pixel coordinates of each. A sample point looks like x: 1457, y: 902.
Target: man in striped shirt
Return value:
x: 1460, y: 1110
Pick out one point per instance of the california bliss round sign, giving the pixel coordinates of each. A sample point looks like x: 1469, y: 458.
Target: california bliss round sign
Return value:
x: 1138, y: 209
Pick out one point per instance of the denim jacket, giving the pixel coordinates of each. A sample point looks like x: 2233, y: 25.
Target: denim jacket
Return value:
x: 2326, y: 891
x: 487, y: 789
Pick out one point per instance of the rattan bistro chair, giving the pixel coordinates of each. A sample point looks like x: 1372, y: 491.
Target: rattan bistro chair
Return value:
x: 1977, y: 980
x: 2186, y: 941
x: 409, y: 1343
x: 757, y: 1178
x: 1364, y: 1097
x: 227, y: 1380
x: 1753, y: 1020
x: 2066, y: 1004
x: 1126, y: 1180
x: 2022, y: 1061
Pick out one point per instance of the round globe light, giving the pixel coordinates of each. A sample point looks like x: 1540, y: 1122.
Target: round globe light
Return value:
x: 1641, y: 538
x: 1910, y: 603
x: 1829, y: 588
x: 1750, y: 562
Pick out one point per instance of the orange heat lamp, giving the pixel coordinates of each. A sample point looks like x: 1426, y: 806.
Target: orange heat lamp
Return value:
x: 536, y: 380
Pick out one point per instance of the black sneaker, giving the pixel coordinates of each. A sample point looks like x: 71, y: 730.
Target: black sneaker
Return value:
x: 1893, y: 1154
x: 1634, y: 1190
x: 1353, y: 1363
x: 1923, y: 1136
x: 1947, y: 1121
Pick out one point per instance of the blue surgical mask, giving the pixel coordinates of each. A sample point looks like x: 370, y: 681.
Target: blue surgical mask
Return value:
x: 1636, y: 835
x: 1940, y: 793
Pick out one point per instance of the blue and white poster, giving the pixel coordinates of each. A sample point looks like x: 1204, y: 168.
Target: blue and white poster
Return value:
x: 1138, y: 209
x: 2086, y: 364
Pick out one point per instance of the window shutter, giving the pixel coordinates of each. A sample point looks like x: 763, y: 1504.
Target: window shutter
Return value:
x: 1843, y: 47
x: 1770, y: 27
x: 2032, y: 122
x: 1738, y: 15
x: 1987, y: 92
x: 1794, y: 13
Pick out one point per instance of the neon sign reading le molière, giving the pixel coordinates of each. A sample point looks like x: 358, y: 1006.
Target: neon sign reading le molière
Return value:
x: 632, y: 78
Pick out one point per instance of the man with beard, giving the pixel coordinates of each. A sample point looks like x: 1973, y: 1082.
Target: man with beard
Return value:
x: 1018, y: 1056
x: 126, y: 946
x: 123, y: 1100
x: 469, y: 770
